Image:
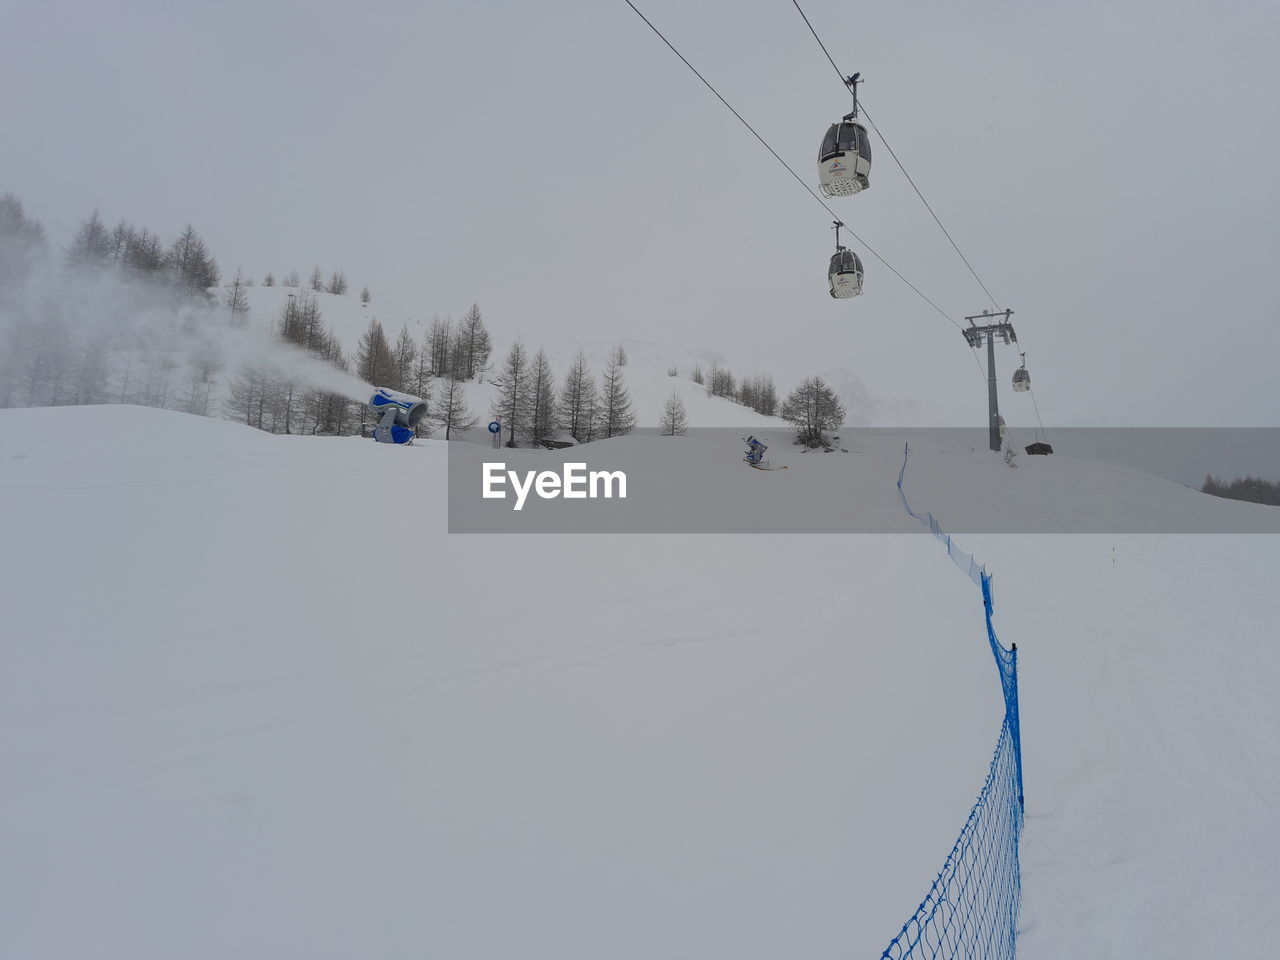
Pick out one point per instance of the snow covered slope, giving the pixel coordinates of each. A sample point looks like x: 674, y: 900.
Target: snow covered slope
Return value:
x: 1149, y: 667
x: 253, y: 704
x: 697, y: 484
x: 646, y: 373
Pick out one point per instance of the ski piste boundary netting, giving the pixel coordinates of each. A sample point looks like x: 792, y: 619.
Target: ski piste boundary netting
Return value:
x: 971, y: 911
x: 965, y: 561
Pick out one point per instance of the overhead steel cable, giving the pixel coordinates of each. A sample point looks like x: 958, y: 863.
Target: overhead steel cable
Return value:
x: 945, y: 232
x: 1037, y: 409
x: 844, y: 83
x: 805, y: 17
x: 835, y: 216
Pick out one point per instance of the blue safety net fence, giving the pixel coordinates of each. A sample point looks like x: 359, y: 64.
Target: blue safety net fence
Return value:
x: 965, y: 561
x: 971, y: 911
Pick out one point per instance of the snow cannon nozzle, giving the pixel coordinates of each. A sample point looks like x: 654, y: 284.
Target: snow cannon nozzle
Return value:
x: 401, y: 414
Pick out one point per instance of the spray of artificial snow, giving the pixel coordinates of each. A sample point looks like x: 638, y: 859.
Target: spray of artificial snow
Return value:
x: 57, y: 317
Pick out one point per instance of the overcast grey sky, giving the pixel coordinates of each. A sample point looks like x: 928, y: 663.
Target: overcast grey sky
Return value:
x: 1108, y: 167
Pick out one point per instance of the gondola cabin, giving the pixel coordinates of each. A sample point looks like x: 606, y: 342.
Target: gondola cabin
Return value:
x: 845, y: 274
x: 844, y: 160
x: 1021, y: 380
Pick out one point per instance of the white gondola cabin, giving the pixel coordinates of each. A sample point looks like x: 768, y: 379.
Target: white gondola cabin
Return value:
x: 1022, y: 379
x: 844, y: 160
x: 845, y: 274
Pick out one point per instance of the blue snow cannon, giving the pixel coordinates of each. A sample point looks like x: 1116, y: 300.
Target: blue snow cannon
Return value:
x: 401, y: 414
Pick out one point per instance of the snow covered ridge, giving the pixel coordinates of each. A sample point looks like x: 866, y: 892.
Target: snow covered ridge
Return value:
x: 698, y: 483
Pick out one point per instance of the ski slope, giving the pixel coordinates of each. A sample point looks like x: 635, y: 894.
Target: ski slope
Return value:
x: 254, y: 702
x: 695, y: 484
x: 646, y: 374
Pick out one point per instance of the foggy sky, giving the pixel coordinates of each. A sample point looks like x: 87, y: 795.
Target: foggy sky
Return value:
x: 1107, y: 168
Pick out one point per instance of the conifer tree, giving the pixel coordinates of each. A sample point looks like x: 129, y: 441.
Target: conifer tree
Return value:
x: 542, y: 395
x: 192, y: 266
x: 814, y: 410
x: 513, y: 401
x: 404, y: 356
x: 375, y: 364
x: 92, y: 244
x: 577, y: 396
x: 674, y: 421
x: 471, y: 344
x: 766, y: 396
x: 120, y: 236
x: 333, y: 412
x: 723, y: 383
x: 440, y: 345
x: 452, y: 411
x: 145, y: 254
x: 589, y: 424
x: 249, y: 394
x: 237, y: 301
x: 302, y: 323
x: 21, y: 241
x: 615, y: 417
x: 419, y: 383
x: 290, y: 325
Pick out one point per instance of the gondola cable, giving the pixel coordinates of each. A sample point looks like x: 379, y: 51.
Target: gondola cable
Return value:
x: 1038, y: 420
x: 844, y: 83
x: 945, y: 232
x: 809, y: 190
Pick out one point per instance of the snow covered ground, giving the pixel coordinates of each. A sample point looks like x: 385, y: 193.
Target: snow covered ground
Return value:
x: 255, y: 702
x: 1149, y: 667
x: 696, y: 484
x: 646, y: 374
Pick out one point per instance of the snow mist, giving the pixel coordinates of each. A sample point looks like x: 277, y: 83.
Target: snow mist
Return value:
x: 98, y: 335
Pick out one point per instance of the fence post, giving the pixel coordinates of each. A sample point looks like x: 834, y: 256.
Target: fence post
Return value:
x: 1011, y: 714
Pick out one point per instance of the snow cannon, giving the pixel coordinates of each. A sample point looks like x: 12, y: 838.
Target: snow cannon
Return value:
x: 401, y: 414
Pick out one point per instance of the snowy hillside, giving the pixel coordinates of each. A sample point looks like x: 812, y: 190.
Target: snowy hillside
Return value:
x: 685, y: 484
x: 253, y: 704
x: 646, y: 373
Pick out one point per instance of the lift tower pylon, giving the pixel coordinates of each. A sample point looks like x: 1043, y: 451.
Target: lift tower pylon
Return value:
x: 974, y: 334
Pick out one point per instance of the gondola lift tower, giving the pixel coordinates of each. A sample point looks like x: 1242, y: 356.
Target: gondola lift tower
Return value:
x: 994, y: 325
